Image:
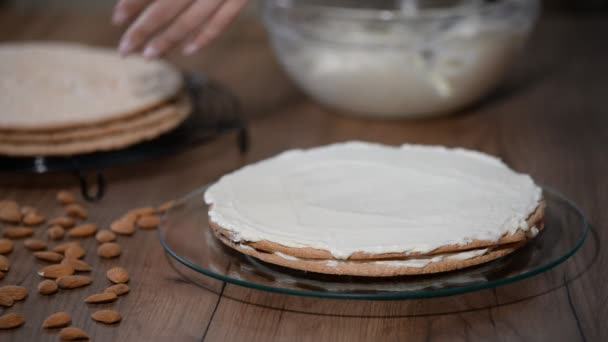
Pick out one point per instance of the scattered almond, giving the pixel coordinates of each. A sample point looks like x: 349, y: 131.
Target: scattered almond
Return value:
x: 16, y: 292
x: 11, y: 320
x: 73, y: 334
x: 9, y: 211
x: 57, y: 320
x: 47, y: 287
x: 55, y: 233
x: 124, y: 226
x: 4, y: 263
x: 73, y: 281
x: 75, y: 252
x: 142, y: 211
x: 34, y: 244
x: 65, y: 197
x: 118, y: 275
x: 6, y: 300
x: 78, y: 265
x: 76, y: 211
x: 17, y: 232
x: 33, y: 219
x: 148, y: 222
x: 165, y: 206
x: 105, y: 236
x: 109, y: 250
x: 62, y: 247
x: 62, y: 221
x: 48, y: 256
x: 56, y: 271
x: 104, y: 297
x: 83, y: 230
x: 6, y: 246
x: 107, y: 316
x: 118, y: 289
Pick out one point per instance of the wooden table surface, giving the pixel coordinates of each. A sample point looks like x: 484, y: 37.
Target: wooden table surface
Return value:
x: 549, y: 119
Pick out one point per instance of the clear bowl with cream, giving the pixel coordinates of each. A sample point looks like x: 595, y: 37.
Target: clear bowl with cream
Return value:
x: 399, y: 58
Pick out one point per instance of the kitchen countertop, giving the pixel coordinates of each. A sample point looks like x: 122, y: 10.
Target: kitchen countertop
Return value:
x: 549, y: 119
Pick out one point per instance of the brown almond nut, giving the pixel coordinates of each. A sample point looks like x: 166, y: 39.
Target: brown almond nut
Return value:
x: 165, y: 206
x: 148, y: 222
x: 75, y: 252
x: 73, y: 281
x: 2, y: 275
x: 65, y: 197
x: 73, y: 334
x: 104, y: 297
x: 62, y: 221
x: 56, y: 271
x: 78, y: 265
x: 109, y: 250
x: 142, y: 211
x: 6, y: 246
x: 17, y: 292
x: 62, y: 247
x: 9, y: 211
x: 5, y: 265
x: 83, y: 230
x: 33, y: 219
x: 105, y: 235
x: 48, y: 256
x: 77, y: 211
x: 17, y: 232
x: 47, y: 287
x: 57, y: 320
x: 107, y: 316
x: 118, y: 275
x: 6, y: 300
x: 11, y: 320
x: 123, y: 226
x: 55, y: 233
x: 34, y: 244
x: 28, y: 209
x: 118, y: 289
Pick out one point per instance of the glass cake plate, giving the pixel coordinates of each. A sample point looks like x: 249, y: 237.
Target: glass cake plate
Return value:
x: 187, y: 238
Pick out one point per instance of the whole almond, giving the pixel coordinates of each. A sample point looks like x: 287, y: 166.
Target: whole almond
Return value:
x: 6, y: 246
x: 55, y: 232
x: 5, y: 265
x: 73, y: 281
x: 118, y: 275
x: 28, y: 209
x: 34, y: 244
x: 109, y: 250
x: 48, y: 256
x: 83, y: 230
x: 47, y: 287
x: 123, y: 226
x: 73, y: 334
x: 61, y: 248
x: 105, y: 235
x: 107, y: 316
x: 56, y: 271
x: 148, y: 222
x: 78, y: 265
x: 65, y: 197
x: 142, y: 211
x: 62, y: 221
x: 16, y: 292
x: 11, y: 320
x: 6, y: 300
x: 9, y: 211
x: 17, y: 232
x: 75, y: 252
x: 33, y: 219
x: 165, y: 206
x: 118, y: 289
x: 76, y: 210
x: 57, y: 320
x: 104, y: 297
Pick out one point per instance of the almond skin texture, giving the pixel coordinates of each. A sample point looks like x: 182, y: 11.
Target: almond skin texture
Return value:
x: 11, y: 320
x: 123, y: 226
x: 6, y: 300
x: 105, y: 235
x: 47, y: 287
x: 75, y: 252
x: 55, y: 233
x: 48, y: 256
x: 118, y: 289
x: 63, y: 221
x: 57, y: 320
x: 107, y: 316
x: 56, y: 271
x: 6, y: 246
x: 33, y: 219
x: 61, y: 248
x: 77, y: 265
x: 74, y: 281
x: 118, y: 275
x: 34, y: 244
x: 72, y: 334
x: 76, y: 211
x: 5, y: 265
x: 104, y: 297
x: 65, y: 197
x: 9, y: 211
x: 148, y: 222
x: 109, y: 250
x: 165, y: 206
x: 17, y: 232
x: 16, y: 292
x: 83, y: 230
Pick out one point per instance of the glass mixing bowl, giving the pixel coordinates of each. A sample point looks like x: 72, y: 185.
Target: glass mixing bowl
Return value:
x: 399, y: 58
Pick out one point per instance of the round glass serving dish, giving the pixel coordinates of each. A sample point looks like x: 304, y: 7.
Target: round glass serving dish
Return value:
x: 398, y: 58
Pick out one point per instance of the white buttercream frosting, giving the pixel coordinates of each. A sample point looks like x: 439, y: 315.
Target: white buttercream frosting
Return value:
x: 357, y: 196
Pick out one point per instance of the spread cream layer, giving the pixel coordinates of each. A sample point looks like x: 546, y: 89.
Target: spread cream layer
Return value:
x: 357, y: 196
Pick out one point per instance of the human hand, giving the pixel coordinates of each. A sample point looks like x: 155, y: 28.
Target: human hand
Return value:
x: 158, y: 25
